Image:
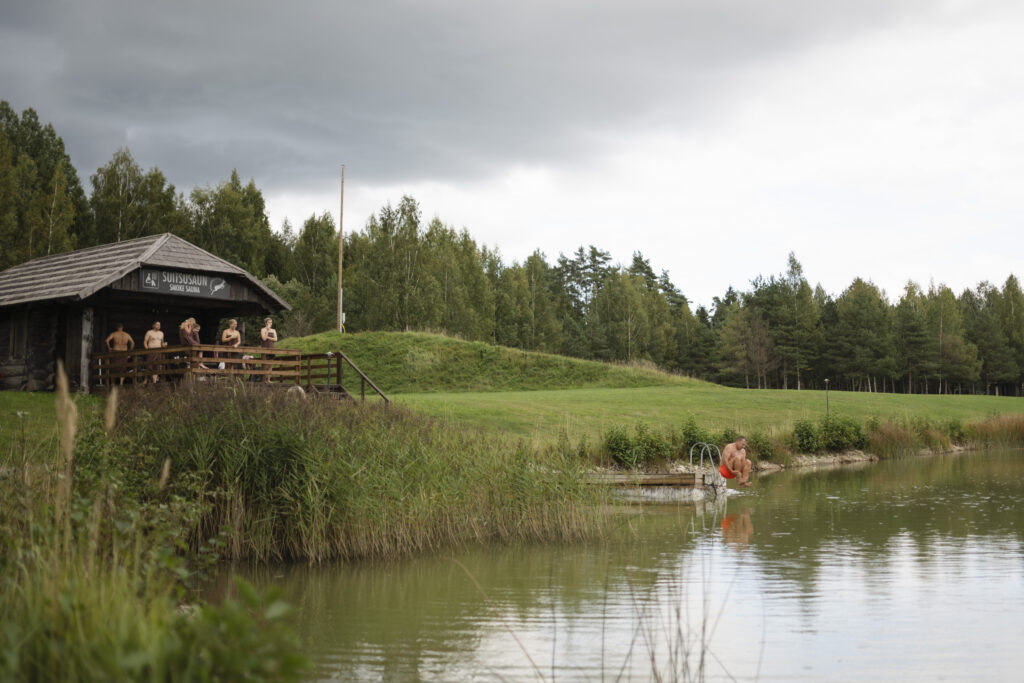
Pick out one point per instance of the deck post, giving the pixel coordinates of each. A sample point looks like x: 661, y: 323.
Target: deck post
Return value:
x: 84, y: 366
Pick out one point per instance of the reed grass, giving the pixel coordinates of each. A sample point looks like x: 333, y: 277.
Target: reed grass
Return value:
x: 998, y: 430
x: 303, y: 478
x: 93, y: 585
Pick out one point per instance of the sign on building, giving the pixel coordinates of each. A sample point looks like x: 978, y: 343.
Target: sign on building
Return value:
x: 188, y: 284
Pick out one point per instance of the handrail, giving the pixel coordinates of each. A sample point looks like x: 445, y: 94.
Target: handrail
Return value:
x: 705, y: 449
x: 363, y: 379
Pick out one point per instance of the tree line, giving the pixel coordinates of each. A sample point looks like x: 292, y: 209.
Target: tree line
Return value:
x: 403, y: 274
x: 780, y: 334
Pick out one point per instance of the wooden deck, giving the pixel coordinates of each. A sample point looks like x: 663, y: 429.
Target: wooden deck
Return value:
x: 320, y: 372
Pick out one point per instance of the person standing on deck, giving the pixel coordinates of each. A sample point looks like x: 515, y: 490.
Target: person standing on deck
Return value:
x: 185, y: 334
x: 735, y: 462
x: 268, y: 337
x: 154, y: 339
x: 188, y: 335
x: 119, y: 340
x: 231, y: 338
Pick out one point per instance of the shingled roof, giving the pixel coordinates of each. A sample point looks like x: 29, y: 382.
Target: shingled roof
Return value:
x: 77, y: 275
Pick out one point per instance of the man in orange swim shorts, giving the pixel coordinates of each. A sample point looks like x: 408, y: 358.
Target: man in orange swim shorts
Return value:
x: 734, y: 461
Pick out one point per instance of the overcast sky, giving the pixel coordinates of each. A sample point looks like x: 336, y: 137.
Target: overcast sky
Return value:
x: 875, y: 138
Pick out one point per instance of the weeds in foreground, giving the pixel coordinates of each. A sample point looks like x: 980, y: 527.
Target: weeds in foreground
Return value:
x: 98, y: 555
x: 93, y: 583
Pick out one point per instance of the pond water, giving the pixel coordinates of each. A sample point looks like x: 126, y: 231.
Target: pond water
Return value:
x: 900, y: 570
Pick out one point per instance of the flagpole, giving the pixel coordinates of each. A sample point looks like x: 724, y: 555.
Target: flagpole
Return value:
x: 341, y: 249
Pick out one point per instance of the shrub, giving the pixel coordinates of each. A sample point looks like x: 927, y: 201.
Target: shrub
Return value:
x: 806, y: 438
x: 692, y: 434
x: 650, y: 446
x: 729, y: 435
x: 841, y: 433
x: 643, y: 447
x: 956, y: 432
x: 921, y: 424
x: 619, y: 446
x: 761, y: 446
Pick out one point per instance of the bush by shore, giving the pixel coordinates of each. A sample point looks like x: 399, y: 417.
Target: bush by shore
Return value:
x: 645, y: 446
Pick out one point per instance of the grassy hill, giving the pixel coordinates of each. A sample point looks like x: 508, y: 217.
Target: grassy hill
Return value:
x: 540, y: 396
x: 410, y: 362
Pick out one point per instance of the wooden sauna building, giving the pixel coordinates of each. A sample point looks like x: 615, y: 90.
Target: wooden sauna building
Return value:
x: 64, y: 306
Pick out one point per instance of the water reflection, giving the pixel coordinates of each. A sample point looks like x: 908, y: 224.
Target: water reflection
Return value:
x: 736, y: 529
x: 901, y: 569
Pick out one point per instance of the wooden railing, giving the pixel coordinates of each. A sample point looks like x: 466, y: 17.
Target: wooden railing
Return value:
x: 323, y: 372
x: 319, y: 369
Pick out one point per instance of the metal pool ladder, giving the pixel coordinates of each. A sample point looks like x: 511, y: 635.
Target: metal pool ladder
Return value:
x: 709, y: 450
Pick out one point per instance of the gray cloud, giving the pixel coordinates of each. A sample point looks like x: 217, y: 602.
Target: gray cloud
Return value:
x: 405, y: 91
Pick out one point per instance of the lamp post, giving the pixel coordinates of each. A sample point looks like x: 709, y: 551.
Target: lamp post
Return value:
x: 826, y: 399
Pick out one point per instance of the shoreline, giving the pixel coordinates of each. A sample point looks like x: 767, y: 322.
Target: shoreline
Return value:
x: 802, y: 461
x: 849, y: 457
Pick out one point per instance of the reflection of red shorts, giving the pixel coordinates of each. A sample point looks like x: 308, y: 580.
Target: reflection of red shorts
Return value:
x: 725, y: 472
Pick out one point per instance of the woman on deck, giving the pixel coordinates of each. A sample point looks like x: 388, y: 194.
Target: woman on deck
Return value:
x: 268, y: 336
x: 186, y: 334
x: 231, y: 338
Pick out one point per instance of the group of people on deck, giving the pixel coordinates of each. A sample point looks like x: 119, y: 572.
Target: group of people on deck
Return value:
x: 188, y: 335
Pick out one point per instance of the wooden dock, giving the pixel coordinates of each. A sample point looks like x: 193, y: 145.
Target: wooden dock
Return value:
x: 634, y: 479
x: 661, y: 487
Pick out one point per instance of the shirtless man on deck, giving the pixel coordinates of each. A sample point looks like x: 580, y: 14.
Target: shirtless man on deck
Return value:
x: 154, y: 339
x: 734, y: 461
x: 119, y: 340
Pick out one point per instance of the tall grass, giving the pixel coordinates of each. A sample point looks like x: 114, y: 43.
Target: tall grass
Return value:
x: 92, y: 581
x: 101, y: 539
x: 999, y: 430
x: 304, y: 478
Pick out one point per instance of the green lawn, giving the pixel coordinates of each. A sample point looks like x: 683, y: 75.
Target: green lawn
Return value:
x: 543, y: 415
x: 29, y: 419
x: 539, y: 396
